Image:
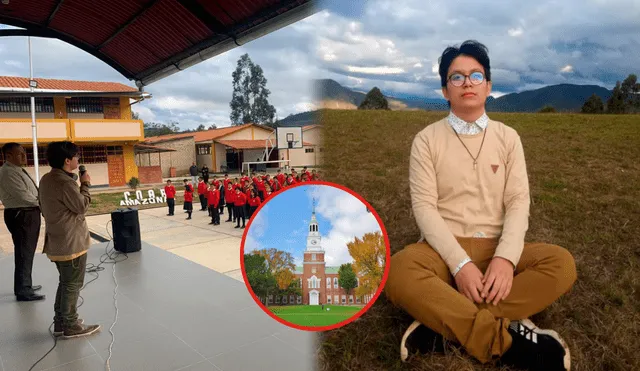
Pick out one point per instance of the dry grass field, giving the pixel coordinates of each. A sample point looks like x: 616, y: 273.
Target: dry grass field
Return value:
x: 584, y: 174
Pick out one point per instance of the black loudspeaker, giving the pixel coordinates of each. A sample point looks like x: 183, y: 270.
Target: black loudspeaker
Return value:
x: 126, y: 230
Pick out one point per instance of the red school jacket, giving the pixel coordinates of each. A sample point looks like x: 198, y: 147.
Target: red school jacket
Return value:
x: 202, y: 188
x: 213, y: 198
x: 170, y: 191
x: 255, y: 202
x: 188, y: 193
x: 240, y: 199
x: 229, y: 195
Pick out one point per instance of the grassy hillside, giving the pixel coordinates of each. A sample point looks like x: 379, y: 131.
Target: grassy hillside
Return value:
x: 584, y: 176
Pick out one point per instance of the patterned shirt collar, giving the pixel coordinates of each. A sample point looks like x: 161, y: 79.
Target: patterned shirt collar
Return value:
x: 463, y: 127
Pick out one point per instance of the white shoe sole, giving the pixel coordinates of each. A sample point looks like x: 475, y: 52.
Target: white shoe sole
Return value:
x: 59, y: 333
x: 404, y: 352
x: 567, y: 354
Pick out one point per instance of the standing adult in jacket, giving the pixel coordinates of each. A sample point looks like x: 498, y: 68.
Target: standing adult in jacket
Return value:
x: 193, y: 171
x: 19, y: 195
x: 67, y: 240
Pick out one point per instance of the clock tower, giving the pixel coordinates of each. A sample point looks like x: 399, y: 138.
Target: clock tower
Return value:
x: 313, y: 264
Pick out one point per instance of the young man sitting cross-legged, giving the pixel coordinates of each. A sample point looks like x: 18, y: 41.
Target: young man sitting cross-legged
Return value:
x: 474, y: 280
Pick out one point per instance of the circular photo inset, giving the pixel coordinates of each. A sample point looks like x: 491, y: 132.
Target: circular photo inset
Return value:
x: 314, y: 257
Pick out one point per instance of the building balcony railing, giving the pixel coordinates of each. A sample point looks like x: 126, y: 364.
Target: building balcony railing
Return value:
x: 75, y: 130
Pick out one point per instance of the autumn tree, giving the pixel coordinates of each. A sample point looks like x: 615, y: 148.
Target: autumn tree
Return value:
x: 369, y: 254
x: 347, y: 278
x: 281, y: 264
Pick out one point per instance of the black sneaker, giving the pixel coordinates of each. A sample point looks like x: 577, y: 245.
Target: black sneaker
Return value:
x: 536, y: 349
x: 420, y: 339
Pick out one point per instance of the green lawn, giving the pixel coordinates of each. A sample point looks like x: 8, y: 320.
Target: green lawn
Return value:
x: 313, y: 316
x: 584, y: 175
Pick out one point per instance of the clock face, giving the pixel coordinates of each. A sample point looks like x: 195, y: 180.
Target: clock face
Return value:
x: 313, y: 242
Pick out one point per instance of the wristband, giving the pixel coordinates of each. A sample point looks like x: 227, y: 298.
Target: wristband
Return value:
x: 462, y: 263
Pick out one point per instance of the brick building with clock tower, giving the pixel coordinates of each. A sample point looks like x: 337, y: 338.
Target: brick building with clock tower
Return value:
x: 319, y: 282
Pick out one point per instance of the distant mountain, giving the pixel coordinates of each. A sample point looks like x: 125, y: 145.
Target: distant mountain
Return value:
x: 330, y: 94
x: 299, y: 119
x: 563, y: 97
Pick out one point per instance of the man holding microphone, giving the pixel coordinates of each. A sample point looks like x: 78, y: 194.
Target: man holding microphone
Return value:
x: 67, y: 239
x: 19, y: 195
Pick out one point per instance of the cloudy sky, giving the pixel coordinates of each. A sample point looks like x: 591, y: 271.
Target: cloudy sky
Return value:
x: 283, y: 223
x: 395, y: 44
x: 197, y: 95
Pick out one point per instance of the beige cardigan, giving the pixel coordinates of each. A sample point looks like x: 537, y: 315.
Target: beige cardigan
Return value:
x: 450, y: 199
x: 64, y: 205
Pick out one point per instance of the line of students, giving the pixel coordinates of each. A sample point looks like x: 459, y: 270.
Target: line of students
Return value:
x: 242, y: 196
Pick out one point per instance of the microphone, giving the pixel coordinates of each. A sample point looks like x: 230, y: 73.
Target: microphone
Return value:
x: 82, y: 170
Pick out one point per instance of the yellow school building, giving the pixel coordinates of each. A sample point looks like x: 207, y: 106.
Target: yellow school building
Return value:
x: 94, y: 115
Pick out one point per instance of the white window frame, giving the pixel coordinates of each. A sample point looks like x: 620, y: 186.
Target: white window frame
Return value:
x: 284, y: 300
x: 313, y: 257
x: 350, y: 299
x: 358, y: 300
x: 299, y: 300
x: 328, y: 282
x: 344, y: 299
x: 278, y: 299
x: 328, y: 299
x: 335, y: 282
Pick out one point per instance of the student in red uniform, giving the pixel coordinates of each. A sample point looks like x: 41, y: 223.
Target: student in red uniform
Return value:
x: 229, y: 197
x: 254, y: 203
x: 188, y: 197
x: 170, y: 191
x: 213, y: 199
x: 290, y: 180
x: 259, y: 187
x: 239, y: 202
x: 226, y: 180
x: 314, y: 175
x: 276, y: 186
x: 221, y: 189
x: 202, y: 194
x: 305, y: 177
x: 280, y: 177
x: 267, y: 192
x: 305, y: 171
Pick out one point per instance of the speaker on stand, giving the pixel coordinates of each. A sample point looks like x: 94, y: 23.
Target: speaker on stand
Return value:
x: 126, y: 230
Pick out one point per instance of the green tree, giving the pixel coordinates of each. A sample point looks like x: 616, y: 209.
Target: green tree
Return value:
x: 631, y: 91
x: 347, y: 277
x: 593, y: 105
x: 374, y: 100
x: 616, y: 103
x: 259, y: 276
x: 135, y: 116
x: 152, y: 129
x: 250, y: 99
x: 213, y: 126
x: 200, y: 127
x: 547, y: 109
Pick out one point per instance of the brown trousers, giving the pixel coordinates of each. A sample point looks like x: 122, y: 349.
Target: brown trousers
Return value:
x: 420, y: 283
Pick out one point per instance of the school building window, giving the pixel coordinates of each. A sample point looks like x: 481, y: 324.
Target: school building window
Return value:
x: 358, y: 300
x: 328, y: 299
x: 313, y: 270
x: 24, y: 104
x: 350, y: 299
x: 93, y: 154
x: 111, y: 101
x: 308, y: 150
x: 313, y: 257
x: 344, y: 299
x: 336, y: 299
x: 85, y: 105
x: 42, y: 156
x: 291, y: 299
x: 335, y: 282
x: 284, y: 300
x: 299, y: 299
x: 328, y: 283
x: 204, y: 149
x: 277, y: 299
x: 114, y: 150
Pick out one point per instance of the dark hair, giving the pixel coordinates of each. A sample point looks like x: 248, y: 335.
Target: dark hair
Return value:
x: 58, y: 152
x: 185, y: 180
x: 168, y: 180
x: 471, y: 48
x: 9, y: 147
x: 254, y: 193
